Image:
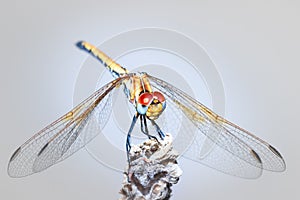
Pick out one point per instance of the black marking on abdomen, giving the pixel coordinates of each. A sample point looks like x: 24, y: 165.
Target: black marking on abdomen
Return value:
x: 80, y: 45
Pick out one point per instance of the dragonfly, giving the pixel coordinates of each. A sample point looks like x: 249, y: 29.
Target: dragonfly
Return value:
x: 234, y: 150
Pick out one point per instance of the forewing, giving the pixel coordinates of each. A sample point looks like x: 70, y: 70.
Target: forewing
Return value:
x: 232, y: 150
x: 66, y: 135
x: 271, y: 158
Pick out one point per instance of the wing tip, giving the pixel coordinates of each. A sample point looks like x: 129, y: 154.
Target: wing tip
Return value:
x: 275, y: 151
x: 9, y: 167
x: 14, y: 155
x: 256, y: 156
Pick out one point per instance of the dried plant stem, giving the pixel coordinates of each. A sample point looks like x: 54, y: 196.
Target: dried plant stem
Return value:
x: 152, y: 171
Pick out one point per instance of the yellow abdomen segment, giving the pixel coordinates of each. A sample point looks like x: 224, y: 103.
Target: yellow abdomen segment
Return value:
x: 115, y: 69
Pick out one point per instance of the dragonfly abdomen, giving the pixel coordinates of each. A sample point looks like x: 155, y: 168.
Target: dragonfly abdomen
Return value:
x: 115, y: 69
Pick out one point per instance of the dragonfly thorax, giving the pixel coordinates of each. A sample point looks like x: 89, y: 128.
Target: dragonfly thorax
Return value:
x: 151, y: 104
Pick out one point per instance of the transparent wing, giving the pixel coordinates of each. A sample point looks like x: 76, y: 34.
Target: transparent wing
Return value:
x: 66, y: 135
x: 216, y: 142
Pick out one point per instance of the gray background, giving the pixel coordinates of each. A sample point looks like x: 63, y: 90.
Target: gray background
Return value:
x: 255, y: 46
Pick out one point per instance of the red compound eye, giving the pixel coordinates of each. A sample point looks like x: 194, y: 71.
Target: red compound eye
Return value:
x: 159, y: 96
x: 145, y: 99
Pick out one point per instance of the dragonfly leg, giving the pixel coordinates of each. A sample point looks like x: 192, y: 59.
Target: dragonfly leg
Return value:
x: 159, y: 131
x: 128, y: 145
x: 144, y: 128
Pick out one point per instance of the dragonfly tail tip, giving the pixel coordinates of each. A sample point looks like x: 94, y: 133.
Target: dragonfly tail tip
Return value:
x: 80, y: 45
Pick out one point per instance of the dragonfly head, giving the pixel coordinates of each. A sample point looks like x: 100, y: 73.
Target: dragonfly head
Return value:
x: 151, y: 104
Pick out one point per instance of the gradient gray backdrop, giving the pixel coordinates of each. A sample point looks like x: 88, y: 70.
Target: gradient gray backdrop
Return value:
x: 254, y: 44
